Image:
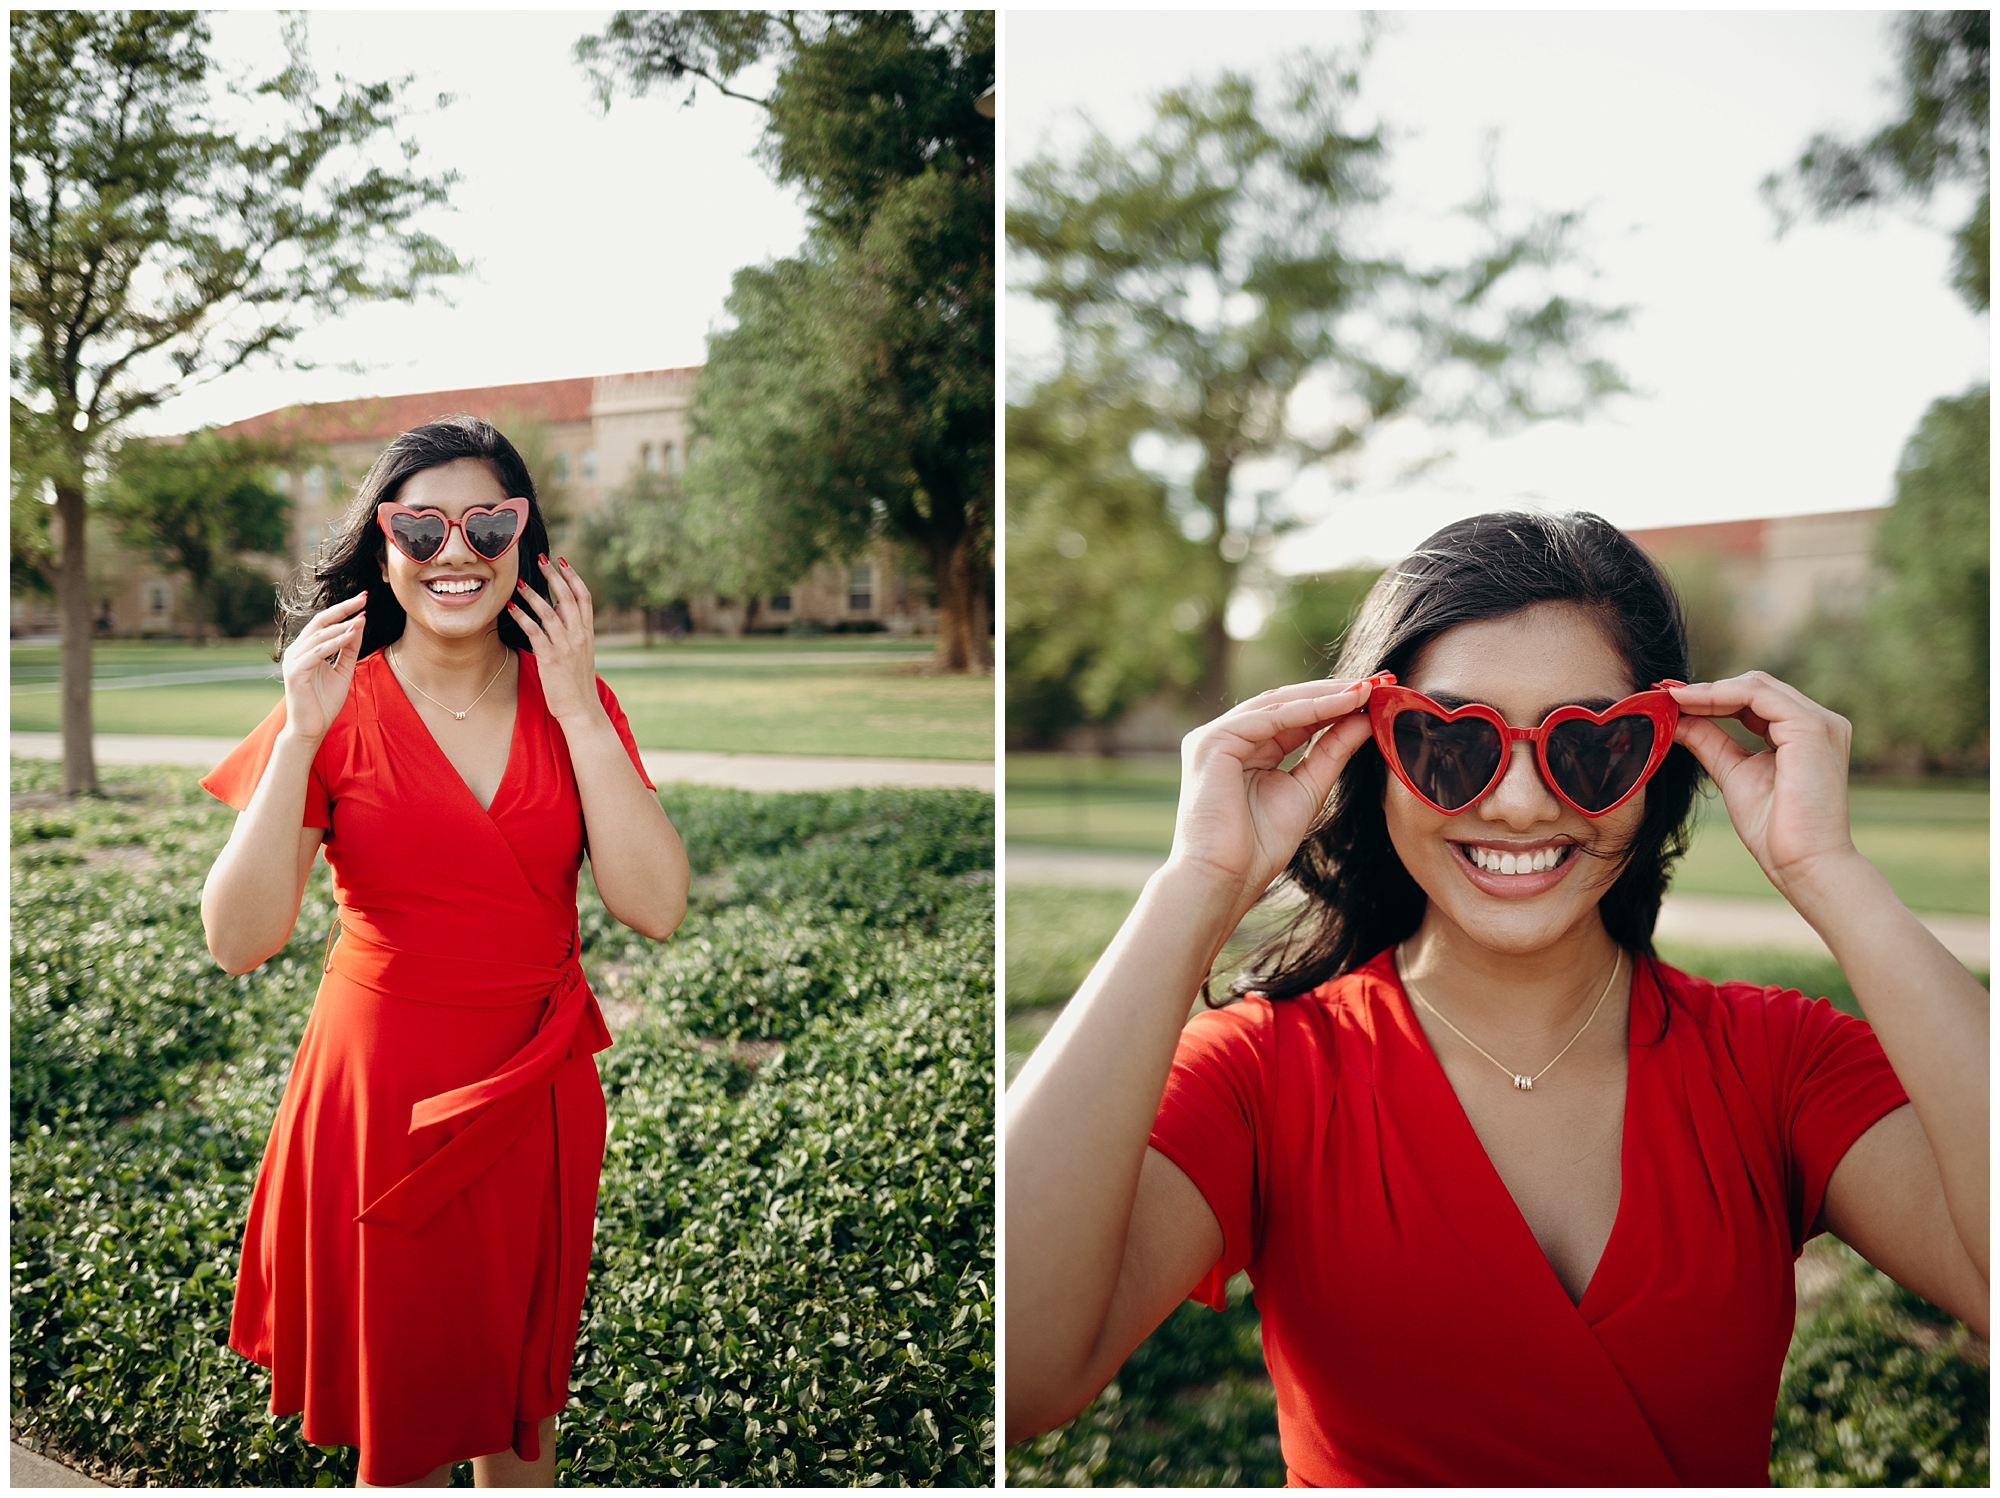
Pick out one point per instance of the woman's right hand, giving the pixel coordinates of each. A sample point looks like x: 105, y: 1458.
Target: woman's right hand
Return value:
x: 319, y: 667
x: 1241, y: 817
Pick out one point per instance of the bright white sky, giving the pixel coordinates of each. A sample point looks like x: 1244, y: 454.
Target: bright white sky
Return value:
x: 603, y: 243
x: 1779, y: 376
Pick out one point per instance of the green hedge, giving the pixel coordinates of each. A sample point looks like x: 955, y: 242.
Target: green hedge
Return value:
x: 792, y: 1278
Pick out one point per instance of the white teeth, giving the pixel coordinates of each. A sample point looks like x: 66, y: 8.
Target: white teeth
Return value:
x: 1511, y: 863
x: 453, y: 585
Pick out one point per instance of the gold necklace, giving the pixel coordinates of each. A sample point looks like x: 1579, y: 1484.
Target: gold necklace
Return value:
x: 446, y: 706
x: 1524, y: 1084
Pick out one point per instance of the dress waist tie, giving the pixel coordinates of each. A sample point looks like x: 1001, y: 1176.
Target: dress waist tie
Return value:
x: 509, y: 1098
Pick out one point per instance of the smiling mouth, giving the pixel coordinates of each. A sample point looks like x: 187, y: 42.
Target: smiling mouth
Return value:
x: 454, y: 587
x: 1534, y: 861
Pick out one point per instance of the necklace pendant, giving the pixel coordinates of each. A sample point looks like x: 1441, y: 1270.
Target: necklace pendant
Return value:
x: 461, y: 716
x: 1526, y: 1084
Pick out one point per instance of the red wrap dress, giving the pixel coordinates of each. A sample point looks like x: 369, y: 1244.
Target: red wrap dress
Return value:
x: 1415, y: 1333
x: 413, y: 1268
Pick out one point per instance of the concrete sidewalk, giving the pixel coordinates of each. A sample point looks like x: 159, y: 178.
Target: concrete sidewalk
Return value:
x: 1704, y: 920
x: 744, y: 772
x: 25, y: 1469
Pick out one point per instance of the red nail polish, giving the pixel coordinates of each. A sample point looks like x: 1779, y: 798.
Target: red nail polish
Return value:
x: 563, y: 560
x: 545, y: 559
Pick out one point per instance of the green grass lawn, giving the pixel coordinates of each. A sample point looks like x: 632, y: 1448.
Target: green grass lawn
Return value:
x: 832, y: 695
x: 1929, y: 838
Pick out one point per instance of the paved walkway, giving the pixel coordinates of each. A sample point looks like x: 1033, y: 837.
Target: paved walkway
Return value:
x: 27, y: 1470
x: 1703, y: 920
x: 745, y: 772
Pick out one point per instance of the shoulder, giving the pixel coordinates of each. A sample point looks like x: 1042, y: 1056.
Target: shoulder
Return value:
x: 1351, y: 1007
x: 1736, y: 1007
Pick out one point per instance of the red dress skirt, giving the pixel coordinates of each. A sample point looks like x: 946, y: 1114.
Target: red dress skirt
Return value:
x: 1415, y: 1333
x: 413, y: 1268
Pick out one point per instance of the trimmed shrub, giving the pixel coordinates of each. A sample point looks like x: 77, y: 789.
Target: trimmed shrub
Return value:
x: 792, y: 1279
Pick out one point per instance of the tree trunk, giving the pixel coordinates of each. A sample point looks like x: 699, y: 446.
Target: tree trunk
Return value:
x: 73, y: 593
x: 1217, y: 649
x: 646, y: 624
x: 962, y: 644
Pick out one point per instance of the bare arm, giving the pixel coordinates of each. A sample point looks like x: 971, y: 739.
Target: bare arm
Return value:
x: 250, y: 900
x: 1104, y: 1236
x: 636, y: 856
x: 1912, y: 1195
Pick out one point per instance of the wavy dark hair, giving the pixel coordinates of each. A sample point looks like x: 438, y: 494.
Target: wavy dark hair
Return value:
x: 1359, y: 897
x: 352, y: 560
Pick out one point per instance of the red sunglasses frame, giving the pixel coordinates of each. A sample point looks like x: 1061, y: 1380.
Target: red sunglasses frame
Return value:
x: 1387, y: 701
x: 389, y: 509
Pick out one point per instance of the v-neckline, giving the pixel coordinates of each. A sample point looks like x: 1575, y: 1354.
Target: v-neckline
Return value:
x: 513, y: 732
x: 1478, y: 1147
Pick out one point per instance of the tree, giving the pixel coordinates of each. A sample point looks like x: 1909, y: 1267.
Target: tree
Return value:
x: 1220, y: 262
x: 635, y: 548
x: 1943, y: 137
x: 1104, y: 600
x: 157, y: 242
x: 854, y: 396
x: 197, y: 506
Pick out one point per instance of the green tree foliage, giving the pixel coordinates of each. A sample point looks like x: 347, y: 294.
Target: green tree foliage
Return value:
x: 155, y: 242
x: 854, y: 395
x: 197, y: 506
x: 1096, y: 582
x: 637, y: 550
x: 1229, y: 254
x: 1911, y: 671
x: 1943, y: 137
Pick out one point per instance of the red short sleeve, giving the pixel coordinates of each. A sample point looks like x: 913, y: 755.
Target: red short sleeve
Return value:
x: 235, y: 779
x: 1214, y: 1123
x: 617, y: 715
x: 1834, y: 1085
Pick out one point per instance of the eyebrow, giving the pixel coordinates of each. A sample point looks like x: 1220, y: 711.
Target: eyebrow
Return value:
x: 1595, y: 704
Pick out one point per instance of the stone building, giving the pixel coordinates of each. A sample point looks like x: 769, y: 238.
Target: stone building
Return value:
x: 1774, y: 574
x: 582, y: 438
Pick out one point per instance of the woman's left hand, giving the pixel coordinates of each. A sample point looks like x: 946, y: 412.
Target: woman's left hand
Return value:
x: 562, y: 631
x: 1789, y: 802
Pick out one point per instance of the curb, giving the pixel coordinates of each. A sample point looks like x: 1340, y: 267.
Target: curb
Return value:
x: 28, y: 1469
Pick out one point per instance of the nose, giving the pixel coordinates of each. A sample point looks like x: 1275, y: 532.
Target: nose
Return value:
x: 1522, y: 798
x: 456, y: 551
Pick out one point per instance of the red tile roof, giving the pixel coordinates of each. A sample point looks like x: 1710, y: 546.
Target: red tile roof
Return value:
x: 1737, y: 538
x: 376, y: 417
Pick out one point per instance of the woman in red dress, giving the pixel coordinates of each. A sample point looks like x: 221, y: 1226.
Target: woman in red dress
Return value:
x: 413, y: 1268
x: 1520, y: 1202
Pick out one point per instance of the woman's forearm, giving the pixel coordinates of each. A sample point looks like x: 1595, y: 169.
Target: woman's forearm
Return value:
x: 250, y: 900
x: 636, y: 857
x: 1078, y: 1119
x: 1931, y: 1017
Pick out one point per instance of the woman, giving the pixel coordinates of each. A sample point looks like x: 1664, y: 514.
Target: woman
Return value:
x: 1519, y: 1201
x: 413, y: 1269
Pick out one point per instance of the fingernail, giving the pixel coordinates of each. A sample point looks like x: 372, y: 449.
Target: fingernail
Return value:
x: 563, y: 560
x: 545, y: 559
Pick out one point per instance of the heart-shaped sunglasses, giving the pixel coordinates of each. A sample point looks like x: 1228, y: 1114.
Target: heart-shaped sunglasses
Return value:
x: 490, y: 530
x: 1450, y: 757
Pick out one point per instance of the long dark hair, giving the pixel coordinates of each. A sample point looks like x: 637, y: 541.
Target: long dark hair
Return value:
x: 352, y: 560
x: 1359, y: 897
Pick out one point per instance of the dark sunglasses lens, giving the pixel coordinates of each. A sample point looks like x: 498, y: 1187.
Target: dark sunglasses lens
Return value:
x: 421, y: 537
x: 1451, y: 763
x: 1596, y: 764
x: 492, y: 532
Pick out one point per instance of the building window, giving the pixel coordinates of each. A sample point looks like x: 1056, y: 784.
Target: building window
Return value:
x: 673, y: 458
x: 860, y: 589
x: 314, y: 533
x: 281, y: 481
x: 561, y: 466
x: 315, y: 482
x: 156, y: 598
x: 647, y: 459
x: 589, y: 462
x: 781, y: 603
